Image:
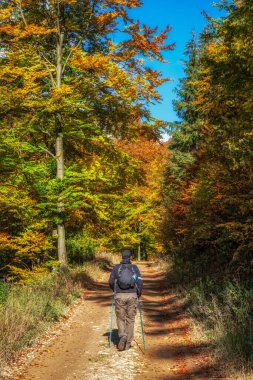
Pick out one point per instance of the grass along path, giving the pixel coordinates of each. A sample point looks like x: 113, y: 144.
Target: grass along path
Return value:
x: 81, y: 351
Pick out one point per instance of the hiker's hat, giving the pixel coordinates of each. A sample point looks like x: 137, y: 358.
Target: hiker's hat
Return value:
x: 126, y: 254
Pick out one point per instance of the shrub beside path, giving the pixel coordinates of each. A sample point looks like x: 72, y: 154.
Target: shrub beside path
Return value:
x: 81, y: 351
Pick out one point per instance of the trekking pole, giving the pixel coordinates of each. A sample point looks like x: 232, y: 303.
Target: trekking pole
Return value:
x: 142, y: 328
x: 110, y: 337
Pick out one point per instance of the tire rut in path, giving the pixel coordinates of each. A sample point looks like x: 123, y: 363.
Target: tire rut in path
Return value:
x: 81, y: 351
x: 171, y: 351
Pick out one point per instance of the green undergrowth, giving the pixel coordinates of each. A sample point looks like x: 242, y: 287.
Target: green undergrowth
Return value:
x: 81, y: 248
x: 223, y: 312
x: 27, y: 310
x: 226, y: 313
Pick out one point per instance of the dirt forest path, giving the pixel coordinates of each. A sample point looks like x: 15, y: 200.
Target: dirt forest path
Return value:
x: 81, y: 350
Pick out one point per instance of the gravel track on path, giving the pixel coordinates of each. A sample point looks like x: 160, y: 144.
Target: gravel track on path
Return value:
x: 80, y: 351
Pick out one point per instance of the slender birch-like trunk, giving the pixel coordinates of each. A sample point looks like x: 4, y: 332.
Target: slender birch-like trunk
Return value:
x: 139, y: 245
x: 59, y: 151
x: 139, y: 252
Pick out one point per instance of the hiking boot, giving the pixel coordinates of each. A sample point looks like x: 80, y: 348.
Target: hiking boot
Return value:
x: 128, y: 346
x: 122, y: 343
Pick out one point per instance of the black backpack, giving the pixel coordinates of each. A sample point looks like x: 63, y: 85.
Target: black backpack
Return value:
x: 126, y: 277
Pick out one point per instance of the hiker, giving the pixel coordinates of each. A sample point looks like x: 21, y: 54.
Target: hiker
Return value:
x: 126, y: 282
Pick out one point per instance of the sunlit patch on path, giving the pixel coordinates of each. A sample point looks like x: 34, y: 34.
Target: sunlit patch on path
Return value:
x: 81, y: 351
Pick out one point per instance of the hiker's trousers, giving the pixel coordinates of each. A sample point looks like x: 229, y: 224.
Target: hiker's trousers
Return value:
x: 126, y: 306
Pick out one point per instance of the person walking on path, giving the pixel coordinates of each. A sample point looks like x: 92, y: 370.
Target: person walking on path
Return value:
x: 126, y: 283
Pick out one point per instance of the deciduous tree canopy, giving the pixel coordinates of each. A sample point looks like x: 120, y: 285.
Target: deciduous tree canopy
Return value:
x: 70, y: 99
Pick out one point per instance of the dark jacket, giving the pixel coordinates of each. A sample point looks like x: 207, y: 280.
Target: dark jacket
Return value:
x: 114, y: 277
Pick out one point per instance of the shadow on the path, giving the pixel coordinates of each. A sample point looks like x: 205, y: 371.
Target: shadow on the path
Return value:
x: 204, y: 372
x: 160, y: 309
x: 115, y: 337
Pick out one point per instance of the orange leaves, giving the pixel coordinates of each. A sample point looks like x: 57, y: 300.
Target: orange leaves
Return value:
x: 9, y: 29
x: 146, y: 41
x: 106, y: 18
x: 85, y: 61
x: 18, y: 32
x: 109, y: 72
x: 127, y: 3
x: 9, y: 74
x: 99, y: 90
x: 6, y: 243
x: 217, y: 51
x: 33, y: 29
x: 31, y: 243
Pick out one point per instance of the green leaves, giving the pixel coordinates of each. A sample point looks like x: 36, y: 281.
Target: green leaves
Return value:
x: 208, y: 189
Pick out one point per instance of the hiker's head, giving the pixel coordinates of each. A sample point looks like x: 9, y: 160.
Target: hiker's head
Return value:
x: 126, y: 254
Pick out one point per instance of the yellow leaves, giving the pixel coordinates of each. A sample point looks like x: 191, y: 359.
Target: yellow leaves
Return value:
x: 127, y: 3
x: 33, y: 29
x: 9, y: 73
x: 106, y: 18
x: 9, y: 29
x: 119, y: 80
x: 23, y: 275
x: 62, y: 98
x: 28, y: 246
x: 217, y: 51
x: 112, y: 74
x: 70, y: 2
x: 64, y: 90
x: 85, y: 61
x: 20, y: 31
x: 203, y: 86
x: 5, y: 13
x: 31, y: 243
x: 6, y: 243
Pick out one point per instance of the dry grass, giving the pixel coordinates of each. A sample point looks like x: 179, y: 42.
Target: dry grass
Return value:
x: 163, y: 264
x: 222, y: 317
x: 28, y: 310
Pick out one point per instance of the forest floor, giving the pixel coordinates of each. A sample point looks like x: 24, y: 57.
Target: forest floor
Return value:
x: 78, y: 347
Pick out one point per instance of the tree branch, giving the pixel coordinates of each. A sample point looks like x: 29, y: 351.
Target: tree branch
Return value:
x: 48, y: 70
x: 40, y: 55
x: 22, y: 13
x: 80, y: 42
x: 69, y: 55
x: 47, y: 151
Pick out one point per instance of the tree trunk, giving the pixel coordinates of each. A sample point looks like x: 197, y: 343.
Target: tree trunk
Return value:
x: 59, y: 151
x: 62, y: 253
x: 139, y: 252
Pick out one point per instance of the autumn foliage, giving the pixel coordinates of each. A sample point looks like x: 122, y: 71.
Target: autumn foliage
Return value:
x: 208, y: 196
x: 72, y: 102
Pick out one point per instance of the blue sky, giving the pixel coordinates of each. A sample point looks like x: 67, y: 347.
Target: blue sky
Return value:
x: 183, y: 16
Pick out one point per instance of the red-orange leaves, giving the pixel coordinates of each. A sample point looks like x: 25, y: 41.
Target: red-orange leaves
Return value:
x: 106, y: 18
x: 127, y: 3
x: 85, y: 61
x: 144, y: 39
